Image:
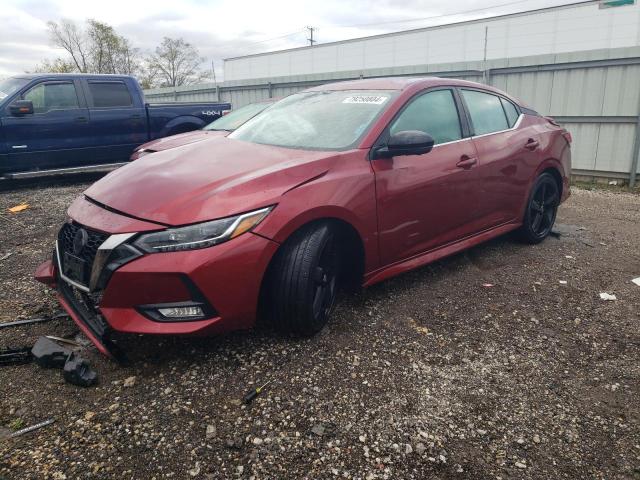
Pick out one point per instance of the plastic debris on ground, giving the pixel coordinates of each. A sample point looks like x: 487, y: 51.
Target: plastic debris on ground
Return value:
x: 19, y: 208
x: 487, y: 285
x: 636, y: 281
x: 562, y: 282
x: 77, y: 371
x: 49, y: 354
x: 607, y: 296
x: 15, y: 356
x: 32, y: 428
x: 29, y: 321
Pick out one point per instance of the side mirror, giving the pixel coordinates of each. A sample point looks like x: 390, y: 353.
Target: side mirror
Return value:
x: 407, y: 142
x: 21, y: 107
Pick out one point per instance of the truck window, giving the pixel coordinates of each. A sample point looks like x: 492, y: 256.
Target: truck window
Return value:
x: 110, y: 94
x: 52, y: 96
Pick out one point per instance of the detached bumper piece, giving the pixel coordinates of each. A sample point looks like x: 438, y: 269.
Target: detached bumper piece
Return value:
x: 76, y: 370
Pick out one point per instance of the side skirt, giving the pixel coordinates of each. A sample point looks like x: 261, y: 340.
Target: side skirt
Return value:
x: 436, y: 254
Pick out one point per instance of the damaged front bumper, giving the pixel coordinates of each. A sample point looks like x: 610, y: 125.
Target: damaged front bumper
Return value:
x: 81, y: 310
x: 126, y: 291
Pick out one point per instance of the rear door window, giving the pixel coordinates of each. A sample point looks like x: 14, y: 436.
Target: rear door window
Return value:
x: 487, y: 114
x: 511, y: 111
x: 52, y: 96
x: 434, y: 113
x: 110, y: 94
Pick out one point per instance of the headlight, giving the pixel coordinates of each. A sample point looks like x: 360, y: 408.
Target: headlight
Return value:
x: 140, y: 153
x: 201, y: 235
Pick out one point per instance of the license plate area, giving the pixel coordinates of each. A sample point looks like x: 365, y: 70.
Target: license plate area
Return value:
x: 75, y: 268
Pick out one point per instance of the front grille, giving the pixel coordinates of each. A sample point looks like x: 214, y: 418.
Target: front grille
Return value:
x: 86, y: 306
x: 88, y: 253
x: 66, y: 237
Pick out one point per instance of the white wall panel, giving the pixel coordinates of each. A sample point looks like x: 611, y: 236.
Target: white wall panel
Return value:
x: 550, y: 31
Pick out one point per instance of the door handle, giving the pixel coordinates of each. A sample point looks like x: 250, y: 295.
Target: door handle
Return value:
x: 81, y: 119
x: 136, y: 116
x: 466, y: 162
x: 532, y: 144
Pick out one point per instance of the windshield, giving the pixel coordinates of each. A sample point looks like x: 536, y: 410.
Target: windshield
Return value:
x: 329, y: 120
x: 11, y: 85
x: 235, y: 118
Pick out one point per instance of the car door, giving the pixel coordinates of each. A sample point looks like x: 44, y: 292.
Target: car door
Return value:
x: 55, y: 135
x: 118, y: 119
x: 425, y: 201
x: 508, y: 155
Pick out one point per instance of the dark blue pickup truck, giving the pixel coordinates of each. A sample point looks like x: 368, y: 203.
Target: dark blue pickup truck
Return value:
x: 60, y: 122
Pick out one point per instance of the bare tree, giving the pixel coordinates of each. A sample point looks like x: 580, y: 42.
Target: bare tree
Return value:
x: 69, y: 37
x: 96, y: 49
x: 176, y: 63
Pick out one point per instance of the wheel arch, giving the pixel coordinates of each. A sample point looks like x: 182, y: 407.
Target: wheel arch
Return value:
x: 351, y: 244
x: 181, y: 124
x: 555, y: 173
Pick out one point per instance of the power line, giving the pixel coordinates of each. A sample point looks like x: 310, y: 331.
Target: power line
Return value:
x: 433, y: 17
x: 275, y: 38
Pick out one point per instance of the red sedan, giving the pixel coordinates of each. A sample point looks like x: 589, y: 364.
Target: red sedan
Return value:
x: 337, y: 186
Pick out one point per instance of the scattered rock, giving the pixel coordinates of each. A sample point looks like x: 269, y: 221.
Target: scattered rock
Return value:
x: 129, y: 381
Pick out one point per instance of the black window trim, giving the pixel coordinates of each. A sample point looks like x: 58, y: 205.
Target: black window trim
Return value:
x: 465, y: 129
x: 80, y: 99
x: 90, y: 95
x: 495, y: 94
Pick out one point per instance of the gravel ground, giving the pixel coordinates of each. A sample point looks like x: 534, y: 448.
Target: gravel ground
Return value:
x: 429, y: 375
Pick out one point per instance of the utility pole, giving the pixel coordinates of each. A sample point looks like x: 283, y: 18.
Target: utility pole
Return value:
x: 213, y: 70
x: 311, y: 40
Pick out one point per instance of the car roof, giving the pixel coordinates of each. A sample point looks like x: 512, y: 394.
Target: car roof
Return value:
x: 31, y: 76
x: 404, y: 83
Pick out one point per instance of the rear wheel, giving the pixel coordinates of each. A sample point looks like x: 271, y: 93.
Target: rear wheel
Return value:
x: 304, y: 280
x: 541, y: 209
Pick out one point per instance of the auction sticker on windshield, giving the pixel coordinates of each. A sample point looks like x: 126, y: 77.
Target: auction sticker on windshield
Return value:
x: 370, y: 99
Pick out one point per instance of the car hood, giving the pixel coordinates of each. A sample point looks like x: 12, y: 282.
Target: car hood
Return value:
x: 207, y: 180
x: 181, y: 139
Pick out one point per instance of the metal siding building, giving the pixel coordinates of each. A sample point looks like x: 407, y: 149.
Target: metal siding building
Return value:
x: 573, y: 28
x: 593, y: 90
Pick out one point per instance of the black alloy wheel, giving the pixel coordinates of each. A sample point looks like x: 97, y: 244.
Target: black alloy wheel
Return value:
x: 541, y: 209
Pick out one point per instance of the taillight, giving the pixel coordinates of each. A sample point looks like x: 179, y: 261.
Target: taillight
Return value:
x: 224, y: 112
x: 567, y: 136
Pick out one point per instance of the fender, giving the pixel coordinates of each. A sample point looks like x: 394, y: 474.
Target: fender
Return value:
x: 329, y: 212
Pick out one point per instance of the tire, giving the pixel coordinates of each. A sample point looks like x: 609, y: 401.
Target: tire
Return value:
x: 303, y: 280
x: 541, y: 210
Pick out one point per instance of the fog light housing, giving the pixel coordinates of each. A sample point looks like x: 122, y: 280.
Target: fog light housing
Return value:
x: 181, y: 312
x: 178, y: 312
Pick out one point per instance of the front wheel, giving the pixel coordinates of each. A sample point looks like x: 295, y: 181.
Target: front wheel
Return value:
x: 304, y: 279
x: 542, y: 207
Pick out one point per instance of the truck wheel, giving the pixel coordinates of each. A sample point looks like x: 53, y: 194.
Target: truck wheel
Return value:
x: 542, y: 207
x: 304, y: 280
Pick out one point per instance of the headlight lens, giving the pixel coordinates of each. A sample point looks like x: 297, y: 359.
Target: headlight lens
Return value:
x: 201, y: 235
x: 140, y: 153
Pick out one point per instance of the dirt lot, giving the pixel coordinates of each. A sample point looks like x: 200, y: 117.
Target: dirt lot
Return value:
x: 429, y: 375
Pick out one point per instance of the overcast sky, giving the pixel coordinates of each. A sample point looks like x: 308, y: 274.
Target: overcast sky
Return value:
x: 229, y: 28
